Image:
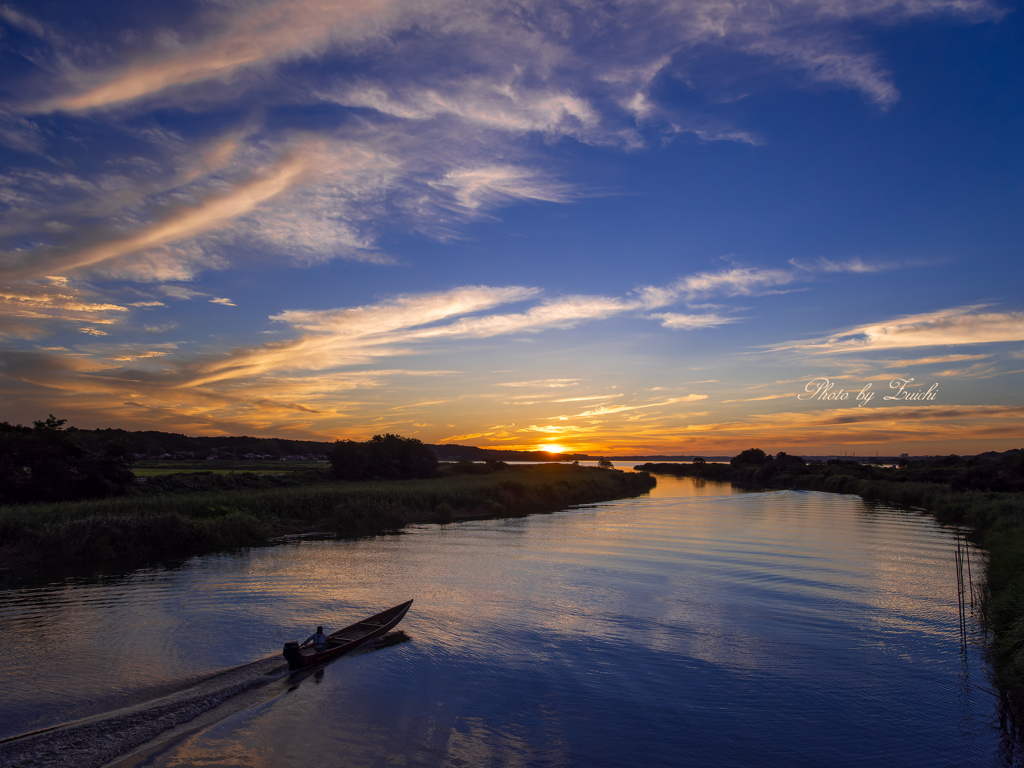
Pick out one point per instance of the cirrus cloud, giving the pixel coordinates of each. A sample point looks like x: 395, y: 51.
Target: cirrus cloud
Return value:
x: 948, y: 327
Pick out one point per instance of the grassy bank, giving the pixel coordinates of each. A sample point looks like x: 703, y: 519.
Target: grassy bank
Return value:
x: 137, y: 529
x: 997, y: 518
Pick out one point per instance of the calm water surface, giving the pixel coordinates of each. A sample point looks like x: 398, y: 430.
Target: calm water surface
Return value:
x: 697, y: 626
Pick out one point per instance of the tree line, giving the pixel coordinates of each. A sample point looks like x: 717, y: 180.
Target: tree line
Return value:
x: 45, y: 462
x: 991, y: 471
x: 49, y: 462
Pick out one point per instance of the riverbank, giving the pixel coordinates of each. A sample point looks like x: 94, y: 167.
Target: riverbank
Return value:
x: 132, y: 530
x: 996, y: 517
x: 539, y: 641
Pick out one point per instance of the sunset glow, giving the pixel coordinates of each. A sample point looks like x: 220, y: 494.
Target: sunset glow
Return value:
x: 634, y: 228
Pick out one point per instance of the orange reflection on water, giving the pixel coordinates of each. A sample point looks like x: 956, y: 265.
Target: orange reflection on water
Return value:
x: 526, y: 633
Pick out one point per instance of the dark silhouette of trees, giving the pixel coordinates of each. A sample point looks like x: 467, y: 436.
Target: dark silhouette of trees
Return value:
x: 388, y: 457
x: 785, y: 461
x: 46, y: 463
x: 990, y: 472
x: 750, y: 457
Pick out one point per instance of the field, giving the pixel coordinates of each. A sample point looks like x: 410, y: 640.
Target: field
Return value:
x: 224, y: 467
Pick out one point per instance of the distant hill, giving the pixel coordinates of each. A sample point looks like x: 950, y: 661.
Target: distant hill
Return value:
x: 472, y: 453
x: 152, y: 445
x: 658, y: 457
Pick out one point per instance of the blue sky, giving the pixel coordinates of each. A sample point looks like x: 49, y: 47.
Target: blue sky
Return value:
x: 616, y: 227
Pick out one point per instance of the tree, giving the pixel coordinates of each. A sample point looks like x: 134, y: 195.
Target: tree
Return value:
x: 785, y: 460
x: 751, y: 457
x: 46, y: 463
x: 389, y: 457
x: 604, y: 463
x: 349, y: 460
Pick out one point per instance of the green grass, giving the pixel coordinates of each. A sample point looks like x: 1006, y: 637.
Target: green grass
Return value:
x: 161, y: 471
x: 137, y: 529
x: 223, y: 467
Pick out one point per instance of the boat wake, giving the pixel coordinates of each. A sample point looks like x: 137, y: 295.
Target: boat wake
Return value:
x: 96, y: 741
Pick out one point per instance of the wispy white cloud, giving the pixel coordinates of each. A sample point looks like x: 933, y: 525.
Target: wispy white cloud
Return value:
x: 506, y: 106
x: 765, y: 397
x: 181, y: 292
x: 162, y: 328
x: 442, y: 93
x: 255, y: 36
x: 741, y: 281
x: 405, y: 311
x: 827, y: 61
x: 562, y: 46
x: 476, y: 187
x: 978, y: 370
x: 556, y: 383
x: 948, y: 327
x: 588, y: 397
x: 856, y: 265
x: 563, y: 312
x: 690, y: 322
x: 311, y: 200
x: 402, y: 325
x: 211, y: 213
x: 21, y: 133
x: 608, y: 410
x: 340, y: 337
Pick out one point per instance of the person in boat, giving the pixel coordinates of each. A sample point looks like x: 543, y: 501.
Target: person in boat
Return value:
x: 318, y: 639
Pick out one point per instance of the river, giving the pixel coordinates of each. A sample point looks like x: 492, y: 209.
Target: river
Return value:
x: 697, y: 625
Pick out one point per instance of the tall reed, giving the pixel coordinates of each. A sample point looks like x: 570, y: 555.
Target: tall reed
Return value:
x: 140, y: 528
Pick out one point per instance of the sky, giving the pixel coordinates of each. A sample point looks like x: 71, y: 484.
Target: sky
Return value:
x: 622, y: 227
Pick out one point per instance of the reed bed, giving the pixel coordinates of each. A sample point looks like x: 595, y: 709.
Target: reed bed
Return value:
x: 135, y: 529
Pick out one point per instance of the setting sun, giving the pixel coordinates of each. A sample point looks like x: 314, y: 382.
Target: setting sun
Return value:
x: 753, y: 261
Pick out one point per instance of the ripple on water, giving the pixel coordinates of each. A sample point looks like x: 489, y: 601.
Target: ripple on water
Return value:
x: 782, y: 628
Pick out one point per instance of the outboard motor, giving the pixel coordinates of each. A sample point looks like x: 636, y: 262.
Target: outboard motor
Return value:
x: 292, y: 655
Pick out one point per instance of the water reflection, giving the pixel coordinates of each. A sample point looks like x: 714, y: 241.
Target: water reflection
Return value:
x: 696, y: 625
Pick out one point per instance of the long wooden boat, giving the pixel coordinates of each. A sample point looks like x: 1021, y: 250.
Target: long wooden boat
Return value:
x: 347, y: 639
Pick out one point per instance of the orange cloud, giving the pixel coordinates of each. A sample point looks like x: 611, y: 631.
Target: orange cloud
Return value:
x: 933, y: 360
